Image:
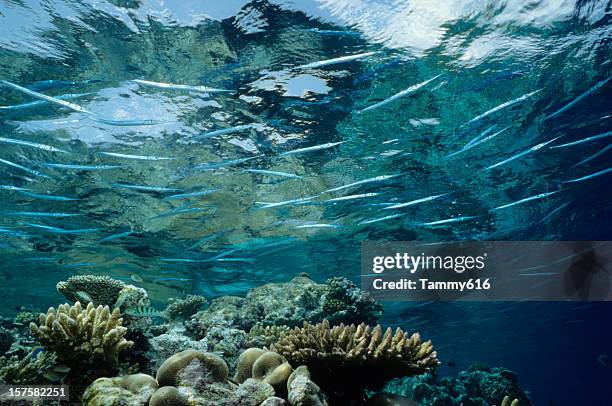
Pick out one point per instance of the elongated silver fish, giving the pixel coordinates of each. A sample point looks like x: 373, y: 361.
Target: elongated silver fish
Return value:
x: 476, y: 143
x: 287, y: 202
x: 584, y: 140
x: 351, y: 197
x: 41, y: 96
x: 172, y: 86
x: 578, y: 99
x: 379, y: 178
x: 82, y: 167
x: 137, y: 157
x: 595, y: 155
x: 126, y: 123
x: 12, y: 233
x: 224, y: 131
x: 58, y: 230
x: 144, y: 311
x: 116, y: 236
x: 503, y: 106
x: 480, y: 136
x: 14, y: 188
x: 333, y: 61
x: 378, y: 219
x: 31, y: 144
x: 553, y: 212
x: 413, y: 202
x: 313, y: 148
x: 190, y: 195
x: 40, y: 214
x: 319, y: 225
x: 398, y: 95
x: 521, y: 154
x: 145, y: 188
x: 273, y: 173
x: 216, y: 165
x: 448, y: 221
x: 43, y: 102
x: 25, y: 169
x: 209, y: 238
x: 527, y: 199
x: 591, y: 176
x: 49, y: 197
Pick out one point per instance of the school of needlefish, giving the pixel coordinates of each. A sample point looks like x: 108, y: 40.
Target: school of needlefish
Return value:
x: 476, y: 136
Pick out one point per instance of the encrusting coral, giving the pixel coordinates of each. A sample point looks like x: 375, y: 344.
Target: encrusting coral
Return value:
x: 183, y: 309
x: 80, y: 336
x: 351, y: 358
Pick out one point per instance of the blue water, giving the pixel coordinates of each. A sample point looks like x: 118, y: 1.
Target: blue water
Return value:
x: 486, y: 53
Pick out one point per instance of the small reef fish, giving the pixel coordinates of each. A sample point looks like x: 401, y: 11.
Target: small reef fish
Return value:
x: 136, y: 278
x: 83, y: 297
x: 503, y: 106
x: 223, y: 131
x: 350, y: 197
x: 413, y: 202
x: 584, y: 140
x: 378, y: 219
x: 145, y: 188
x: 578, y: 99
x: 216, y: 165
x: 49, y: 197
x: 15, y: 188
x: 43, y: 102
x: 448, y: 221
x: 361, y: 182
x: 41, y: 96
x: 522, y: 154
x: 287, y: 202
x: 126, y: 123
x: 115, y: 236
x: 31, y: 144
x: 172, y: 86
x: 478, y: 142
x: 137, y: 157
x: 591, y: 176
x: 273, y: 173
x: 398, y: 95
x: 58, y: 230
x: 595, y: 155
x: 190, y: 195
x: 527, y: 199
x: 41, y: 214
x: 82, y: 167
x: 144, y: 311
x: 313, y: 148
x: 25, y: 169
x: 320, y: 225
x: 333, y: 61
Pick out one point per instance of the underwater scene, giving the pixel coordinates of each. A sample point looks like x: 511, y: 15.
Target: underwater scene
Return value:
x: 185, y: 187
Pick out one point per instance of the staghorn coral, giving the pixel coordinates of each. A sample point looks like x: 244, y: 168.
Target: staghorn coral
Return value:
x: 30, y: 370
x: 82, y: 336
x: 134, y: 389
x: 183, y: 309
x: 351, y: 358
x: 103, y: 290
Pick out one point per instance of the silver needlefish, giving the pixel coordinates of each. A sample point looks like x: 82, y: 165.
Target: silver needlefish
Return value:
x: 273, y: 173
x: 41, y: 96
x: 448, y: 221
x: 40, y: 214
x: 116, y: 237
x: 333, y: 61
x: 379, y: 178
x: 476, y: 143
x: 595, y: 155
x: 319, y: 225
x: 578, y: 99
x: 216, y: 165
x: 313, y: 148
x: 480, y: 136
x: 78, y: 167
x: 32, y: 145
x: 210, y: 238
x: 12, y: 233
x: 591, y: 176
x: 144, y: 188
x: 43, y: 102
x: 521, y: 154
x: 14, y: 188
x: 25, y: 169
x: 584, y: 140
x: 126, y: 123
x: 190, y: 195
x: 413, y: 202
x: 137, y: 157
x: 398, y: 95
x: 224, y: 131
x: 527, y: 199
x: 553, y: 212
x: 49, y: 197
x: 172, y: 86
x: 58, y: 230
x: 503, y: 106
x: 287, y: 202
x: 378, y: 219
x: 350, y: 197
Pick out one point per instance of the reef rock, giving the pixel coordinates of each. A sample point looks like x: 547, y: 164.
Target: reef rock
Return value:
x: 165, y: 345
x: 134, y: 390
x: 302, y: 391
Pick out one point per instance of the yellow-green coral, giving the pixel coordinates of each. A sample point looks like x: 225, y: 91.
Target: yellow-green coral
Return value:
x: 264, y: 336
x: 82, y: 336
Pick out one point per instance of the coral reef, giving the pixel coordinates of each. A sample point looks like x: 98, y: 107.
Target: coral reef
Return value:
x: 346, y: 303
x: 80, y: 336
x: 266, y: 366
x: 351, y: 358
x: 169, y: 374
x: 134, y: 389
x: 264, y: 336
x: 302, y: 391
x: 480, y: 385
x: 165, y: 345
x: 30, y: 370
x: 183, y: 309
x: 6, y: 339
x: 102, y: 290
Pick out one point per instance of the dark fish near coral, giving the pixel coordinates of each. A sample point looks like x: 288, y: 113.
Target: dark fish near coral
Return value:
x: 144, y: 311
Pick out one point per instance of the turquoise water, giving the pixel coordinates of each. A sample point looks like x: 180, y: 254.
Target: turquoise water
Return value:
x: 107, y: 202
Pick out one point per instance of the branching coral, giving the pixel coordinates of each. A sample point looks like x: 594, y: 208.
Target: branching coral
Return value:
x: 351, y: 358
x: 28, y: 370
x: 82, y: 336
x: 261, y: 336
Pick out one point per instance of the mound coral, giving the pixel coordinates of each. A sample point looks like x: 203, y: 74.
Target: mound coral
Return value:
x: 134, y: 389
x: 82, y: 336
x: 351, y: 358
x: 168, y: 373
x: 265, y: 366
x: 102, y: 290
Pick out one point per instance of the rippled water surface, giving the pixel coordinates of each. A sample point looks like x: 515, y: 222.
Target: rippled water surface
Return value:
x: 505, y: 82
